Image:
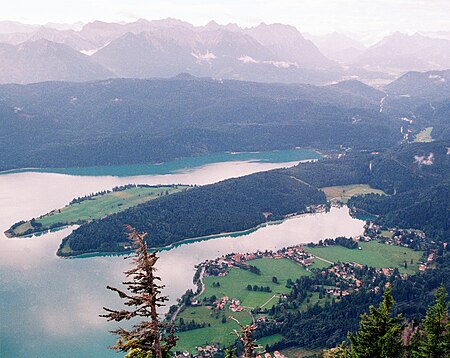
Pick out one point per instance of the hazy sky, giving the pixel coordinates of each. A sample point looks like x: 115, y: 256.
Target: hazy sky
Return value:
x: 315, y: 16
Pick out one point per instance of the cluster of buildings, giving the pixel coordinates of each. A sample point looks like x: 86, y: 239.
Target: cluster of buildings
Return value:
x: 401, y: 237
x: 298, y: 255
x: 426, y: 265
x: 234, y: 304
x: 275, y: 354
x: 220, y: 266
x: 347, y: 280
x: 207, y: 351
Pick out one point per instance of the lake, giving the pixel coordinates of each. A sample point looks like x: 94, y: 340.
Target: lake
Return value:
x: 49, y: 306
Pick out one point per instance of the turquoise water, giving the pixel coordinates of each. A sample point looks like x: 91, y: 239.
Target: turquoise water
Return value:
x: 281, y: 156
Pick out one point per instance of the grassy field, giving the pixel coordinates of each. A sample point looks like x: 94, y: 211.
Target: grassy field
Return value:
x: 300, y: 352
x: 345, y: 192
x: 424, y: 136
x: 98, y: 207
x: 235, y: 283
x: 373, y: 254
x: 218, y: 332
x: 269, y: 340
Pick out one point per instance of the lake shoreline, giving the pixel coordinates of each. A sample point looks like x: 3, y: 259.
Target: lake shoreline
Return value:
x: 316, y: 209
x: 182, y: 163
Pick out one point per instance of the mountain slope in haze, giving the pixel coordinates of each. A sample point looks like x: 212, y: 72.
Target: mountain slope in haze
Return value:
x: 287, y: 44
x: 432, y: 85
x: 170, y: 51
x: 124, y: 121
x: 338, y: 47
x: 358, y: 88
x: 43, y: 60
x: 258, y: 54
x: 403, y: 52
x: 10, y: 27
x: 101, y: 33
x: 70, y: 38
x: 165, y: 48
x: 422, y: 99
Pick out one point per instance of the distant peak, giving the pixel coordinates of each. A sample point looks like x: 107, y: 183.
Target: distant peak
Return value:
x: 185, y: 76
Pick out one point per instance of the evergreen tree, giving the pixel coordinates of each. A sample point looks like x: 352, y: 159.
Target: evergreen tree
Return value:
x: 147, y: 339
x: 434, y: 338
x: 230, y: 352
x: 379, y: 334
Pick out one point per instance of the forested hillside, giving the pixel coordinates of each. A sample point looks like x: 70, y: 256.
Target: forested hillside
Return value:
x: 414, y: 175
x: 126, y: 121
x: 230, y: 205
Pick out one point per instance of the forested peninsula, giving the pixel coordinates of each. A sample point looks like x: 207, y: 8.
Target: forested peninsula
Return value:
x: 227, y: 206
x: 246, y: 202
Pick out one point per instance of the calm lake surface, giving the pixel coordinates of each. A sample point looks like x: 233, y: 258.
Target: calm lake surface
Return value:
x: 49, y: 306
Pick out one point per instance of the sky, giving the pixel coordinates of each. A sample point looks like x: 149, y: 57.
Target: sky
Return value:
x: 313, y: 16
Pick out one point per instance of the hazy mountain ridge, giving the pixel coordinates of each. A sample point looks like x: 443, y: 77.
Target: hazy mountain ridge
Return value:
x: 407, y: 52
x: 264, y: 53
x: 424, y: 98
x: 338, y: 47
x: 432, y: 85
x: 43, y: 60
x: 164, y: 48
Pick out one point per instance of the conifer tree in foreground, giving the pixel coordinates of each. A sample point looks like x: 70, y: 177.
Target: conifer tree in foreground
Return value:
x: 433, y: 339
x: 379, y: 335
x: 230, y: 352
x: 149, y: 338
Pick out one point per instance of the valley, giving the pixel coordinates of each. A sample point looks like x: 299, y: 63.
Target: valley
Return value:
x: 247, y: 286
x: 284, y: 178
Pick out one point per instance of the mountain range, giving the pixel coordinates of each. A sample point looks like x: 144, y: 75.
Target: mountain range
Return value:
x: 165, y: 48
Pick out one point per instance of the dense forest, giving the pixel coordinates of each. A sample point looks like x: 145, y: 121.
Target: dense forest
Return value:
x: 126, y: 121
x: 425, y: 209
x: 414, y: 175
x: 230, y: 205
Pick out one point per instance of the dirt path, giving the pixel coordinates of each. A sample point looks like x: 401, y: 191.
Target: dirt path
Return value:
x: 270, y: 299
x: 325, y: 260
x: 303, y: 182
x: 200, y: 279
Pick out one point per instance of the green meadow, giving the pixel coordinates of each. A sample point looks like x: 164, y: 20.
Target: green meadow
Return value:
x: 345, y: 192
x: 234, y: 285
x: 218, y: 332
x: 97, y: 207
x: 424, y: 136
x: 372, y: 253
